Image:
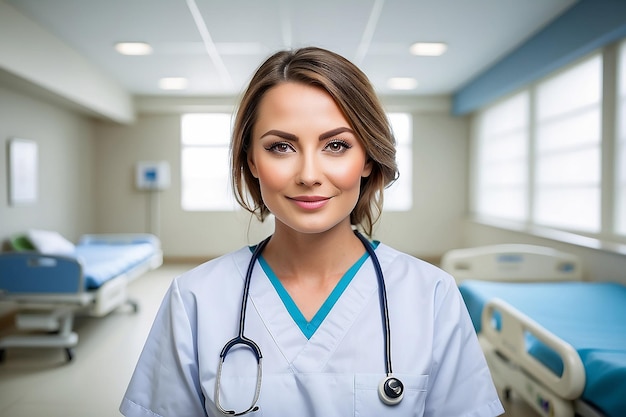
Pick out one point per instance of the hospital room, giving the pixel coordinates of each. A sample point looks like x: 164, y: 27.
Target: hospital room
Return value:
x: 117, y: 207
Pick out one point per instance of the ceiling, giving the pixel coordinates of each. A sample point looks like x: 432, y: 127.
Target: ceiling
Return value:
x: 219, y: 48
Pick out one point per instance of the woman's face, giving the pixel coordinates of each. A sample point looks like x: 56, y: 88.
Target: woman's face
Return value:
x: 307, y: 159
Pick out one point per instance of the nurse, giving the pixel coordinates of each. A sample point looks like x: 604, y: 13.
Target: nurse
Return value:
x: 302, y: 324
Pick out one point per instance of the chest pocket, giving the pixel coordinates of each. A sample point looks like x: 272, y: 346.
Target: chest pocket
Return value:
x: 367, y: 402
x: 315, y: 395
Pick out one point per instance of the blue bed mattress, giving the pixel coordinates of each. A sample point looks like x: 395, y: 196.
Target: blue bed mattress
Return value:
x: 589, y: 316
x: 101, y: 262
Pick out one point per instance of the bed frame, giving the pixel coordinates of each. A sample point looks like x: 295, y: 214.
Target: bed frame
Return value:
x: 48, y: 290
x: 512, y: 263
x: 504, y: 329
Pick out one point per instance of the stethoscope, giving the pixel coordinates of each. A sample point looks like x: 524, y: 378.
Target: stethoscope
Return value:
x: 390, y: 389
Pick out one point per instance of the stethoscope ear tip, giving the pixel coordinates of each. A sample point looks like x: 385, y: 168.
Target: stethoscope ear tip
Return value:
x: 391, y: 390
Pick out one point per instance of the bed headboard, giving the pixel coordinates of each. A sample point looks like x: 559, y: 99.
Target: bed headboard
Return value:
x: 512, y: 262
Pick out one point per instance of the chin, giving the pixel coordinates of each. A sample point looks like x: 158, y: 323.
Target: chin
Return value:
x: 312, y: 228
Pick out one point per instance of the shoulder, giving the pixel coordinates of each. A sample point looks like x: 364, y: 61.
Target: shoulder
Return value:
x: 405, y: 275
x: 399, y: 263
x: 219, y: 271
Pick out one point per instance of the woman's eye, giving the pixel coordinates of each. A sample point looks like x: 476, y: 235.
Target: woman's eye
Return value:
x: 279, y: 147
x: 338, y: 146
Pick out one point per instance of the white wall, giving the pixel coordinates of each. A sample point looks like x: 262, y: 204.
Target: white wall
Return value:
x: 434, y: 225
x: 122, y: 208
x: 65, y: 146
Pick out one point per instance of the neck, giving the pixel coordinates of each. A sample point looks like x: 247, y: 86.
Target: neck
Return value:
x: 309, y: 266
x: 318, y: 256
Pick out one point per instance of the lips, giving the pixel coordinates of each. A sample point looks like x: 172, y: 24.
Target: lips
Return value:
x: 310, y: 202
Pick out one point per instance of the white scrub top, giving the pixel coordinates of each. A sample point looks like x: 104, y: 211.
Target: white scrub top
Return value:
x: 329, y: 367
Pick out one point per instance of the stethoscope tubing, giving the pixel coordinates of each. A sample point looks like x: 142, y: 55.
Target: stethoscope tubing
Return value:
x: 240, y: 339
x: 382, y: 295
x: 244, y: 300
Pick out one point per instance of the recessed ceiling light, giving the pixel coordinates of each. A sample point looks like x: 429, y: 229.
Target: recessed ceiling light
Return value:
x: 428, y: 48
x: 133, y: 48
x: 173, y: 83
x: 402, y: 83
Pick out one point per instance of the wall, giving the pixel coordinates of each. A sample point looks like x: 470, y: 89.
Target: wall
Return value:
x: 439, y: 185
x: 65, y: 148
x: 435, y: 224
x: 122, y: 208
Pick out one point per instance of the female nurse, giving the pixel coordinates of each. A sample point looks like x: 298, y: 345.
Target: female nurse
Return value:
x: 297, y: 325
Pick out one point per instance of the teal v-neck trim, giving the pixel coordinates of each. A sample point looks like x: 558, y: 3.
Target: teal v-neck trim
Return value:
x: 308, y: 328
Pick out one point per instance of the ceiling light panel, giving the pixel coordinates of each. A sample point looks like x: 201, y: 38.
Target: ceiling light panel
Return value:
x: 173, y: 83
x: 428, y: 48
x: 402, y: 83
x: 133, y: 48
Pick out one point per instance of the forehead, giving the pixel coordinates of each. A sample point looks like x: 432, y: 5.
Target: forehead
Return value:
x: 292, y: 99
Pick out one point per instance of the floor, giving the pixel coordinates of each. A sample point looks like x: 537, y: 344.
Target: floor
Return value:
x: 37, y: 382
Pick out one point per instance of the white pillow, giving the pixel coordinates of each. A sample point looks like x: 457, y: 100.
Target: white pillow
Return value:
x: 50, y: 242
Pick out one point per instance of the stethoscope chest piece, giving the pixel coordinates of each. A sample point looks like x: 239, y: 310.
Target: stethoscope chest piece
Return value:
x: 391, y: 390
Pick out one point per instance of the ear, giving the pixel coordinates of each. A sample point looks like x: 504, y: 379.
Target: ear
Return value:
x: 367, y: 168
x: 252, y: 165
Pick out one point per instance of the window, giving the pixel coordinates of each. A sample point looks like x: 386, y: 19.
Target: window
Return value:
x: 502, y: 159
x: 205, y: 140
x: 538, y: 154
x: 567, y: 148
x: 620, y: 194
x: 205, y: 158
x: 399, y: 197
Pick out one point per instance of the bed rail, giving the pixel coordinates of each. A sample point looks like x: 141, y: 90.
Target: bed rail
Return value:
x: 31, y: 275
x: 507, y: 329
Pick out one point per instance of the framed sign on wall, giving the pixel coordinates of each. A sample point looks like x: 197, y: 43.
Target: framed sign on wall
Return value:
x: 23, y: 172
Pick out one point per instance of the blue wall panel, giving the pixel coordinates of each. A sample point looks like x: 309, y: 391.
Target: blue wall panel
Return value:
x: 583, y: 28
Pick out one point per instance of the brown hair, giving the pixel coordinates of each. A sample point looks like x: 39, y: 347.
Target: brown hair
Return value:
x: 354, y: 95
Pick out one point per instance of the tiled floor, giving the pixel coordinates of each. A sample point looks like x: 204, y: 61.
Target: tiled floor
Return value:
x: 38, y: 382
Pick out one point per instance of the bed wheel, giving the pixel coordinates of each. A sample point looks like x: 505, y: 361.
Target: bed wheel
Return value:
x: 69, y: 354
x: 506, y: 392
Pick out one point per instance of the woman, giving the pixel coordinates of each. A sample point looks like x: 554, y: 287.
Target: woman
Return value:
x: 312, y: 146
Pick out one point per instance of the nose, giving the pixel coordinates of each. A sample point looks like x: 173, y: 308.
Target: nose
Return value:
x: 309, y: 172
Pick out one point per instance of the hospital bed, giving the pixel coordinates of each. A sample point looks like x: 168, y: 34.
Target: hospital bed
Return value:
x: 553, y: 339
x: 49, y: 284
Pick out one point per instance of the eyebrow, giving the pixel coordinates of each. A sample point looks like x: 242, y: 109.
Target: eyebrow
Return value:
x: 292, y: 137
x: 335, y: 132
x: 280, y: 134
